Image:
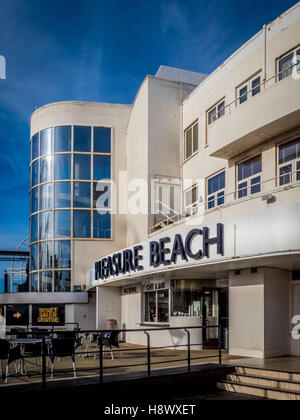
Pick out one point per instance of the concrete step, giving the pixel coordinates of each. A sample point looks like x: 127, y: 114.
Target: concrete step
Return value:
x: 279, y: 384
x: 268, y: 373
x: 259, y: 391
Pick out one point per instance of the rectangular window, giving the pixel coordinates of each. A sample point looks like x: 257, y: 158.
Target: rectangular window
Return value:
x: 102, y: 225
x: 102, y: 167
x: 157, y: 306
x: 186, y: 298
x: 289, y: 162
x: 82, y: 195
x: 82, y: 139
x: 102, y: 140
x: 82, y: 224
x: 249, y: 182
x: 191, y: 141
x: 191, y: 201
x: 248, y: 89
x: 216, y: 112
x: 288, y: 63
x: 216, y: 190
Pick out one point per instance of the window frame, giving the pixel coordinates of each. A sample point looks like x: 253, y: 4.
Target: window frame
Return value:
x: 194, y: 150
x: 215, y: 195
x: 294, y: 173
x: 250, y: 89
x: 218, y: 112
x: 166, y: 289
x: 193, y: 206
x: 248, y: 180
x: 279, y: 59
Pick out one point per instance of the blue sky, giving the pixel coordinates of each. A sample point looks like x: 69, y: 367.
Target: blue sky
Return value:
x: 100, y: 50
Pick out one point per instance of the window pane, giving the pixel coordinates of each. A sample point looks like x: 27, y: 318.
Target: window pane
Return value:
x: 62, y: 195
x: 45, y: 255
x: 102, y: 225
x: 221, y: 109
x: 163, y: 305
x: 188, y: 144
x: 285, y: 68
x: 46, y: 142
x: 46, y: 170
x: 46, y: 282
x: 221, y: 198
x: 62, y: 281
x: 298, y: 60
x: 101, y: 195
x: 243, y: 94
x: 35, y: 173
x: 62, y: 167
x: 82, y: 224
x: 287, y: 174
x: 249, y: 168
x: 255, y: 185
x: 82, y: 194
x: 195, y: 138
x: 82, y: 139
x: 289, y: 151
x: 62, y: 254
x: 257, y: 165
x: 62, y: 224
x: 102, y: 167
x: 34, y: 257
x: 216, y: 183
x: 46, y: 225
x: 34, y: 228
x: 63, y: 139
x: 256, y: 86
x: 298, y: 171
x: 243, y: 190
x: 102, y: 140
x: 35, y: 200
x: 212, y: 115
x: 186, y: 298
x: 82, y: 167
x: 35, y: 146
x: 211, y: 202
x: 34, y: 282
x: 150, y: 307
x: 46, y: 197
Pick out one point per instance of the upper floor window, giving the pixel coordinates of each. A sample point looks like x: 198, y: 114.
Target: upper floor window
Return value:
x: 216, y: 112
x: 249, y: 89
x: 249, y: 176
x: 289, y: 162
x: 191, y: 201
x: 216, y: 190
x: 191, y: 141
x: 286, y: 63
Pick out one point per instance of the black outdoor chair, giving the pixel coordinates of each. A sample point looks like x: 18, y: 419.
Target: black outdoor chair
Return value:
x: 62, y: 347
x: 10, y: 354
x: 110, y: 340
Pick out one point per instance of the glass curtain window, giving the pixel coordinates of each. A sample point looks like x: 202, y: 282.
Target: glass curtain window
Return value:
x: 102, y: 167
x: 62, y: 281
x: 62, y: 167
x: 102, y: 140
x: 46, y: 140
x: 34, y: 257
x: 45, y: 255
x: 82, y: 224
x: 46, y: 169
x: 62, y: 254
x: 35, y: 146
x: 46, y: 225
x: 35, y: 173
x: 46, y: 285
x: 82, y: 167
x: 46, y: 197
x: 62, y: 195
x: 63, y: 139
x: 82, y: 195
x: 34, y: 228
x: 82, y: 139
x: 102, y: 225
x: 34, y: 282
x: 35, y: 200
x: 62, y: 224
x: 101, y: 195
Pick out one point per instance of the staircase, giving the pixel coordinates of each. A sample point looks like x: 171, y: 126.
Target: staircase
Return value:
x: 263, y: 383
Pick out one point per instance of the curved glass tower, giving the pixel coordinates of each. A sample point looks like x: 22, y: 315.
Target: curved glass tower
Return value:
x: 70, y: 171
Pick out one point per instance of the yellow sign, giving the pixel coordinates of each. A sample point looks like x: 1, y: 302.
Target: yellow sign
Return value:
x: 48, y: 316
x: 17, y: 315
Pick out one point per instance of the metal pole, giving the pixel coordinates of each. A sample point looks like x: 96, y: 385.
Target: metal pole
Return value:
x: 189, y: 349
x: 220, y: 345
x: 148, y: 353
x: 101, y: 358
x: 44, y: 373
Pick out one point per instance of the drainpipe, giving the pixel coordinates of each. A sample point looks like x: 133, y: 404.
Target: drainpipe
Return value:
x: 264, y: 54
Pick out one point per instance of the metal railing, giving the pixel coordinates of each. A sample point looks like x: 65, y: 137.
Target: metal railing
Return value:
x: 20, y: 339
